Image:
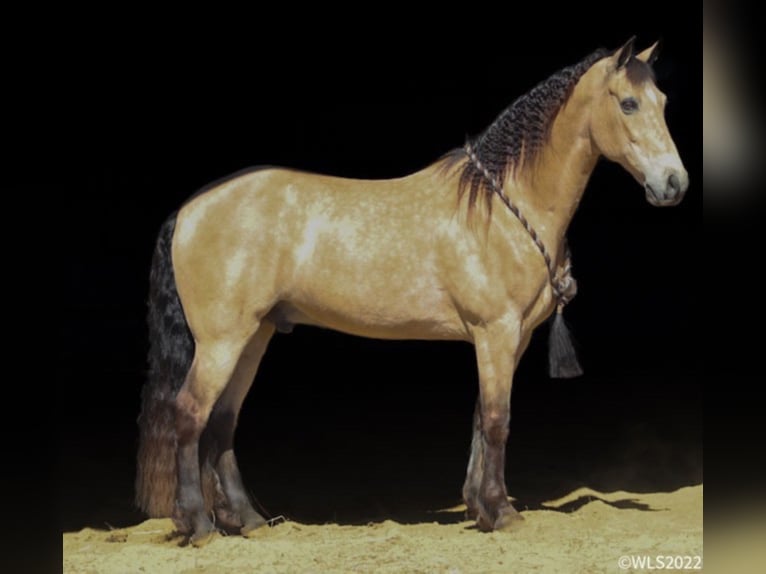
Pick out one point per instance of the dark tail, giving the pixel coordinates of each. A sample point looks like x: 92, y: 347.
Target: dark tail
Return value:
x: 170, y: 356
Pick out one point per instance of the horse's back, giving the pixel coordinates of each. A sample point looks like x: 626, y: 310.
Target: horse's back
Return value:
x: 282, y: 206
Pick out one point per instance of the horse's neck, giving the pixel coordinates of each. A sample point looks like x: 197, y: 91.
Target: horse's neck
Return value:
x: 549, y: 191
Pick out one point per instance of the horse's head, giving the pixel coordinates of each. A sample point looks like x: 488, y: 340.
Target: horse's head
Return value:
x: 628, y: 125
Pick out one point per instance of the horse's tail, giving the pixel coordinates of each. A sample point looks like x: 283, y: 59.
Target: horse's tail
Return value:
x: 170, y: 356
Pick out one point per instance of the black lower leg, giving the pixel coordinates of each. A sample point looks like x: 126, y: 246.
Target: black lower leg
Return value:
x: 473, y: 477
x: 190, y: 515
x: 232, y: 507
x: 493, y: 495
x: 239, y: 501
x: 494, y: 508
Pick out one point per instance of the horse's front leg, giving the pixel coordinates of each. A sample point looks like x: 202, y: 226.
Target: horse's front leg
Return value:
x: 498, y: 348
x: 475, y: 467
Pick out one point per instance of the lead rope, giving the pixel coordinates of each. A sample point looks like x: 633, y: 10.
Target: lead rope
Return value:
x: 562, y: 359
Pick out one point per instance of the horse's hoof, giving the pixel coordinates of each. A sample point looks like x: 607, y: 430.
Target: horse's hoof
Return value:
x: 252, y: 527
x: 200, y: 539
x: 509, y: 520
x: 483, y: 524
x: 227, y: 520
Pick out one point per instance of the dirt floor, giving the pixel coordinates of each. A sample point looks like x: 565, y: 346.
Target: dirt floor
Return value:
x: 585, y: 531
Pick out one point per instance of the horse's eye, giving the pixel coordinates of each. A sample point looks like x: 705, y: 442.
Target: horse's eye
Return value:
x: 629, y: 105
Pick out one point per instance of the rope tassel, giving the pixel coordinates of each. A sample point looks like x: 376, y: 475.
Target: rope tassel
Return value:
x: 562, y: 358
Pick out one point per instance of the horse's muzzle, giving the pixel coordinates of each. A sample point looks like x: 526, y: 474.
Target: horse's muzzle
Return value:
x: 670, y: 192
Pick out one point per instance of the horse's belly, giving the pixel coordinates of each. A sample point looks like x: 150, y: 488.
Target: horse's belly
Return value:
x: 371, y: 320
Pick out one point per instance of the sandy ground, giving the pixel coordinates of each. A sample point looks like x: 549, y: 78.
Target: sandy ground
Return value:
x: 586, y: 531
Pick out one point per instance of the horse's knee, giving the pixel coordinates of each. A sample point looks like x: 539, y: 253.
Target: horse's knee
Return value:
x: 190, y: 418
x: 495, y: 426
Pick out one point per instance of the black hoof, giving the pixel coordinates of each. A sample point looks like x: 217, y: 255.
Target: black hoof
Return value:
x: 504, y: 519
x: 228, y: 520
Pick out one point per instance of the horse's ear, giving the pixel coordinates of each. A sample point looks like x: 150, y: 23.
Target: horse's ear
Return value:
x: 650, y: 54
x: 624, y: 54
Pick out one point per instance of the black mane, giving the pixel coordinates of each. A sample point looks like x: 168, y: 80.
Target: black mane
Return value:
x: 524, y: 126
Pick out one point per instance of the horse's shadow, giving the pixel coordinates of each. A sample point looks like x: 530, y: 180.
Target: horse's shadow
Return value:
x: 579, y: 502
x: 446, y: 508
x: 566, y: 505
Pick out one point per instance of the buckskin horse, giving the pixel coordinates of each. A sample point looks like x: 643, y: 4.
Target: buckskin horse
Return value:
x: 471, y: 248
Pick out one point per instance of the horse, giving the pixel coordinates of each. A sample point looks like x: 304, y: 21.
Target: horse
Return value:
x: 471, y: 248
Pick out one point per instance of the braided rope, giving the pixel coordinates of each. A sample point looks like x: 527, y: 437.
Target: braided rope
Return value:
x: 562, y: 282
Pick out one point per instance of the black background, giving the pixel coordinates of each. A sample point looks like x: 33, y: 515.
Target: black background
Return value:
x: 342, y: 428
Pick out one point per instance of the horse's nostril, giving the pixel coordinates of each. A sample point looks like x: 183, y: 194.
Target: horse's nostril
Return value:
x: 674, y: 184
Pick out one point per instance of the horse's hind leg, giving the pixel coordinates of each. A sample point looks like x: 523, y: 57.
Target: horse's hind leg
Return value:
x: 212, y: 368
x: 233, y: 507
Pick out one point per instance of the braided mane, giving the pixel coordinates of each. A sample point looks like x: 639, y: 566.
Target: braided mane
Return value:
x: 519, y: 132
